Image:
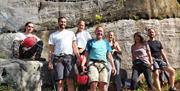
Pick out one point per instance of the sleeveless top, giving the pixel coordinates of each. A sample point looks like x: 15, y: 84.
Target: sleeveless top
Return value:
x: 115, y: 54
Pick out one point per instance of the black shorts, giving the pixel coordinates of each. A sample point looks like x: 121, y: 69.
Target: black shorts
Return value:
x: 159, y: 64
x: 64, y: 67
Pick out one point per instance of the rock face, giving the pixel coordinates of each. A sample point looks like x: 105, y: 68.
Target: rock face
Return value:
x: 124, y: 17
x: 21, y: 75
x: 45, y: 12
x: 6, y: 43
x: 168, y: 31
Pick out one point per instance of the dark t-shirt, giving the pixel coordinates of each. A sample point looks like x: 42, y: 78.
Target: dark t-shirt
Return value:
x: 155, y: 47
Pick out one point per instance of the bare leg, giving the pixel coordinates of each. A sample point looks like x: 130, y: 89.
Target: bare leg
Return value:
x: 60, y: 85
x: 102, y: 86
x: 156, y: 79
x: 171, y: 72
x: 93, y: 86
x: 70, y: 84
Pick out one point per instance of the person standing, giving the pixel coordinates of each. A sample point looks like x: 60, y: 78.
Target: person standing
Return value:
x: 116, y: 51
x: 97, y: 51
x: 142, y: 61
x: 82, y: 36
x: 62, y: 47
x: 27, y: 45
x: 82, y: 39
x: 160, y: 60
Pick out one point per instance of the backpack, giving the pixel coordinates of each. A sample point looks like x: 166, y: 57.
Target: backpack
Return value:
x: 29, y: 42
x: 82, y: 77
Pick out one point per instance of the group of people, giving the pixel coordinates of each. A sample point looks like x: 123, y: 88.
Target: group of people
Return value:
x: 149, y: 56
x: 64, y: 45
x: 98, y: 57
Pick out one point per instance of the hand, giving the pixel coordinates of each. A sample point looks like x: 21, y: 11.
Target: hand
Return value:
x: 150, y: 66
x: 78, y: 61
x: 114, y: 50
x: 50, y: 66
x: 167, y: 63
x: 84, y: 69
x: 113, y: 70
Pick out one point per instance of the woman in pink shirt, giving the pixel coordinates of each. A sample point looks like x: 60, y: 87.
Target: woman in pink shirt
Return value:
x: 142, y: 61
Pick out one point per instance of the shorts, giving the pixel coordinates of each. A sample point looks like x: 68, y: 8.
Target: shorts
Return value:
x: 159, y: 64
x: 97, y: 72
x: 64, y: 67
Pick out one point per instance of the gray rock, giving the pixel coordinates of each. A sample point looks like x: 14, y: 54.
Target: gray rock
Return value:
x: 22, y: 75
x: 45, y: 12
x: 5, y: 45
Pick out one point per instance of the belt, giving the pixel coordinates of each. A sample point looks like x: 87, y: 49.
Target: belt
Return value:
x: 158, y: 59
x: 98, y: 61
x: 63, y: 55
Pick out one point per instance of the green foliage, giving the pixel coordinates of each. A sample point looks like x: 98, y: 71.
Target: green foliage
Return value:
x: 98, y: 18
x: 5, y: 88
x: 159, y: 17
x: 177, y: 78
x: 142, y: 86
x: 135, y: 17
x: 2, y: 55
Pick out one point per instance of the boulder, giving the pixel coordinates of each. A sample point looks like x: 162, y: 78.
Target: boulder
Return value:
x: 44, y: 13
x: 22, y: 75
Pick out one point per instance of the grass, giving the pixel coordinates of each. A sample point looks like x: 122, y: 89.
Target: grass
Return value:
x: 5, y: 88
x: 165, y: 87
x: 177, y: 78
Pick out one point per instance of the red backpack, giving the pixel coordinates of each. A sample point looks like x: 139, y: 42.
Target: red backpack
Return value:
x: 29, y: 42
x: 82, y: 79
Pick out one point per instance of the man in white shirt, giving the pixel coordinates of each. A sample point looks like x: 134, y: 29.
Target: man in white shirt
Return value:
x: 62, y: 47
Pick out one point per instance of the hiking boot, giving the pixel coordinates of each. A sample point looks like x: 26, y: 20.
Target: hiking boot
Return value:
x: 172, y: 89
x: 40, y: 59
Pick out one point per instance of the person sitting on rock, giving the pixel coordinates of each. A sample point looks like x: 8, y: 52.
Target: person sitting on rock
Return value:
x: 27, y: 45
x: 160, y: 61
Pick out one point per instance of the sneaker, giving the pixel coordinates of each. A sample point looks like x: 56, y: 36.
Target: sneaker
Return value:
x: 40, y: 59
x: 172, y: 89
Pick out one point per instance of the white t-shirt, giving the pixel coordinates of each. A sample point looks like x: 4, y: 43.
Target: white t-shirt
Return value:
x: 62, y: 41
x: 22, y: 36
x: 82, y: 38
